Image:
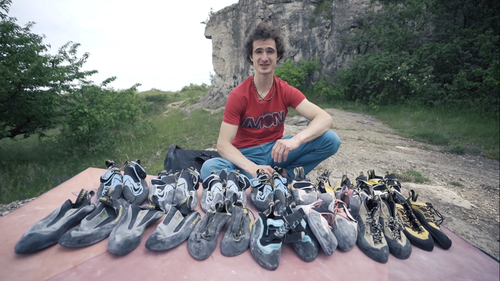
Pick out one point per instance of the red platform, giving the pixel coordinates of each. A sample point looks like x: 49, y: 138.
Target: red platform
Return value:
x: 461, y: 262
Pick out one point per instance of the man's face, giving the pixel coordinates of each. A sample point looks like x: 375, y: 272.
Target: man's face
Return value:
x: 264, y: 56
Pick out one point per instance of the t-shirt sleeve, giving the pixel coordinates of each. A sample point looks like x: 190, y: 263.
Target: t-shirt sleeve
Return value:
x: 233, y: 110
x: 293, y: 96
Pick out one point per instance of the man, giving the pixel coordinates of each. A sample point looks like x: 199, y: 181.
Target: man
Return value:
x: 251, y: 133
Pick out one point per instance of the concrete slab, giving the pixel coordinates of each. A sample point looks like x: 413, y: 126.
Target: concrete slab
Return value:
x: 461, y: 262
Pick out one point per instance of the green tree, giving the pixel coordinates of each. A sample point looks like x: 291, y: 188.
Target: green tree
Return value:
x: 31, y: 80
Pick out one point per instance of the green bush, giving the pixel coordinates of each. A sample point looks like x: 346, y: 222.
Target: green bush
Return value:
x: 425, y: 53
x: 298, y: 74
x: 195, y: 87
x: 96, y: 117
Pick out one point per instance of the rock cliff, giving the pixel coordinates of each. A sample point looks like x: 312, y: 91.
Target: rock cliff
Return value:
x: 312, y: 28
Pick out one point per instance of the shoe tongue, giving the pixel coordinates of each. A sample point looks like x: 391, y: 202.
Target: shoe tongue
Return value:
x: 237, y: 216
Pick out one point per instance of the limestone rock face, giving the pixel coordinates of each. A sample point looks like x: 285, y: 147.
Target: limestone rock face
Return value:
x: 307, y: 35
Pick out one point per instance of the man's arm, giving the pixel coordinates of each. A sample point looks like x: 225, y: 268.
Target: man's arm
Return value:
x: 321, y: 122
x: 227, y: 150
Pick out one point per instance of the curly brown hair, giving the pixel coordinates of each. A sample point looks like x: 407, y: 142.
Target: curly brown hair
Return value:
x: 264, y: 31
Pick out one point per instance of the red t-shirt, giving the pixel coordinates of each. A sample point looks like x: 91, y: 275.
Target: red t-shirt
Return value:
x: 259, y: 122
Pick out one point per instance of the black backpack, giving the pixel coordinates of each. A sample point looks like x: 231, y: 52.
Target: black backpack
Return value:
x: 178, y: 158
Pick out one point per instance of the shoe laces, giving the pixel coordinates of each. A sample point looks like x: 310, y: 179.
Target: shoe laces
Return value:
x: 410, y: 220
x: 395, y: 227
x: 342, y: 210
x: 375, y: 227
x: 430, y: 212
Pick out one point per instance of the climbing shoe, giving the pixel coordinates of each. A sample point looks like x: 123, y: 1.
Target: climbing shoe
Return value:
x: 399, y: 245
x: 127, y: 233
x: 213, y: 193
x: 426, y: 214
x: 324, y: 189
x: 321, y: 221
x: 413, y: 230
x: 97, y: 225
x: 270, y: 232
x: 282, y: 196
x: 392, y: 181
x: 135, y: 187
x: 262, y: 193
x: 303, y: 190
x: 345, y: 227
x: 173, y: 230
x: 371, y: 239
x: 186, y: 189
x: 324, y: 185
x: 111, y: 182
x: 236, y: 239
x: 47, y: 231
x: 203, y: 240
x: 348, y: 193
x: 237, y: 183
x: 163, y: 190
x: 306, y: 248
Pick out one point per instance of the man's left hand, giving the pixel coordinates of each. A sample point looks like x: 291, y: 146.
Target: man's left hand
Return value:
x: 281, y: 149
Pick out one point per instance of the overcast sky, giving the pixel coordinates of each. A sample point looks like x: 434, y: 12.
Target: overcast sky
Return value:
x: 160, y: 44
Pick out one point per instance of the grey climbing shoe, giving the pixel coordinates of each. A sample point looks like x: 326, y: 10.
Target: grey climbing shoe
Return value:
x: 47, y: 231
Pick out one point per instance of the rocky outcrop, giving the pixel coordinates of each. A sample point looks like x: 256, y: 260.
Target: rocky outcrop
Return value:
x: 308, y: 33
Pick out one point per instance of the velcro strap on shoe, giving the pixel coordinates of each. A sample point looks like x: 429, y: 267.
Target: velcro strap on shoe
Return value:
x: 294, y: 237
x: 183, y: 207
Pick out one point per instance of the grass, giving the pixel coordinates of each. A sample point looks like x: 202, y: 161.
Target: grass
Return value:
x: 29, y: 167
x: 32, y: 166
x: 458, y: 131
x: 412, y: 176
x: 456, y: 183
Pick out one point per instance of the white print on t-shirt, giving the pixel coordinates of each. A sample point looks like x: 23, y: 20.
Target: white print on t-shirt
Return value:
x: 268, y: 120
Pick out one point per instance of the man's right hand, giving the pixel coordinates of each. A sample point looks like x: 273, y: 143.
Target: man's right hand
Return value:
x: 267, y: 169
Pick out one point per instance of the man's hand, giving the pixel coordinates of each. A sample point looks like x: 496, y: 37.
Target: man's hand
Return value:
x: 267, y: 169
x: 282, y: 147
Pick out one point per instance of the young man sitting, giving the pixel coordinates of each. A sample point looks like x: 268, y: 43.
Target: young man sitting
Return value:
x: 251, y: 133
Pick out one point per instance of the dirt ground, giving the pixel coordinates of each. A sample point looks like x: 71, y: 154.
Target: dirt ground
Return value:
x: 471, y: 211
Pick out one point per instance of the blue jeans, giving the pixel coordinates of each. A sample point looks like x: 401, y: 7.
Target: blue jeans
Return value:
x: 308, y: 155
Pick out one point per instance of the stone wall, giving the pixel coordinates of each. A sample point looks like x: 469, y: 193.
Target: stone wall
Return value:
x: 306, y: 36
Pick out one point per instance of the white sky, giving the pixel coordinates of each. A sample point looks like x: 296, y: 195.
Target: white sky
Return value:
x: 160, y: 44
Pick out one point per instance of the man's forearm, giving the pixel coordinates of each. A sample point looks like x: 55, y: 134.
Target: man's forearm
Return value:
x: 234, y: 155
x: 315, y: 129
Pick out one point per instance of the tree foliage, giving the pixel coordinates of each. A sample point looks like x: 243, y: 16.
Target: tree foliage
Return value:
x: 429, y: 52
x: 40, y: 91
x: 31, y: 80
x: 95, y: 116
